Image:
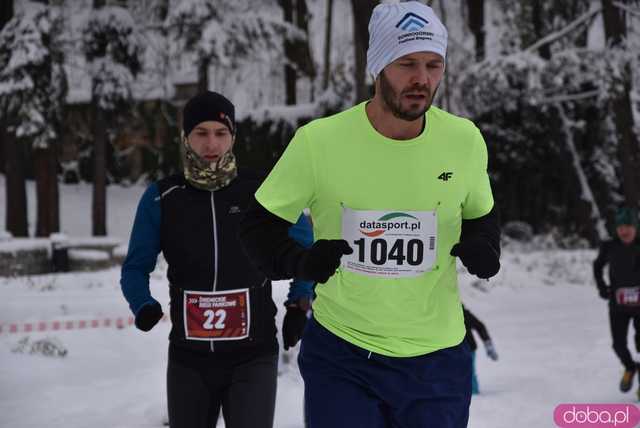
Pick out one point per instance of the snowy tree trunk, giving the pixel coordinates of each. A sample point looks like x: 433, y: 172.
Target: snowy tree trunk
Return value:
x: 99, y: 199
x: 445, y: 83
x: 327, y: 46
x: 475, y: 21
x: 586, y: 192
x: 303, y: 56
x: 2, y: 158
x: 628, y: 146
x: 6, y: 13
x: 297, y: 52
x: 361, y: 11
x: 537, y: 17
x: 99, y: 173
x: 45, y: 170
x: 290, y: 77
x: 16, y: 194
x: 45, y: 160
x: 203, y: 74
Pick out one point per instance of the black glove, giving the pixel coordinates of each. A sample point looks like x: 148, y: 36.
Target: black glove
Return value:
x: 478, y: 256
x: 320, y: 262
x: 605, y: 292
x: 293, y: 325
x: 149, y: 316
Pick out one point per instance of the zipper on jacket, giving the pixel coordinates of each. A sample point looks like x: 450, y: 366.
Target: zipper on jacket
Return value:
x: 215, y: 250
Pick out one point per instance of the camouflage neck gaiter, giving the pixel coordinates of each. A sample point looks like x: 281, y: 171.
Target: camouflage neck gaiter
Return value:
x: 209, y: 176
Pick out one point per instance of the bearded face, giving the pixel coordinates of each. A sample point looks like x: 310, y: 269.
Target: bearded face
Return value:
x: 408, y: 85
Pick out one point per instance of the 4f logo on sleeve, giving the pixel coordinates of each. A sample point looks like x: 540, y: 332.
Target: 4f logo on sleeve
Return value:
x: 445, y: 176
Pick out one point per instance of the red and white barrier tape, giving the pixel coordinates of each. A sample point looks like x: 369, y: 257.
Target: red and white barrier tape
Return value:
x: 29, y: 327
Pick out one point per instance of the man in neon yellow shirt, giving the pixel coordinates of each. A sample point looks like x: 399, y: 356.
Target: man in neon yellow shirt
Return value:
x: 397, y: 189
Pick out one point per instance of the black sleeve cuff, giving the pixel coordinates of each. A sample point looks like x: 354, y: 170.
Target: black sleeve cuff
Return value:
x: 486, y: 227
x: 265, y: 238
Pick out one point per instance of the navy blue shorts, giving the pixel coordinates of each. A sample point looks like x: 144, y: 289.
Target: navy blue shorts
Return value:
x: 347, y: 386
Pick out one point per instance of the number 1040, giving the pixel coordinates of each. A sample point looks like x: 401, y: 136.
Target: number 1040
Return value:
x: 411, y: 251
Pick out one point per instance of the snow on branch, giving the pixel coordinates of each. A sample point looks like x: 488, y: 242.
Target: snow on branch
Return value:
x: 595, y: 9
x: 630, y: 10
x: 32, y: 80
x: 587, y: 193
x: 114, y: 50
x: 570, y: 97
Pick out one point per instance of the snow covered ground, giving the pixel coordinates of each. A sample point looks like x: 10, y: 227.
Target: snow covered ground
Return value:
x: 549, y: 327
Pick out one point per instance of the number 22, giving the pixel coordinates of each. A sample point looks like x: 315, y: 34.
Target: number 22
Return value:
x: 210, y: 314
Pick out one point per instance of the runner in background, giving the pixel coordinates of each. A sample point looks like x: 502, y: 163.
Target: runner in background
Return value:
x: 223, y: 351
x: 622, y: 256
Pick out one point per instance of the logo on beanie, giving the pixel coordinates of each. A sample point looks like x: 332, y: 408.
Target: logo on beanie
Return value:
x: 411, y: 22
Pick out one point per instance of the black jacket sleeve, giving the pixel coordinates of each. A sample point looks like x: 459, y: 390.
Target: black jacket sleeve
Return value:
x: 266, y: 241
x: 471, y: 322
x: 599, y: 263
x: 486, y: 227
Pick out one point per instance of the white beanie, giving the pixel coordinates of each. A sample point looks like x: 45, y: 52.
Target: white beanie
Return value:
x: 398, y: 29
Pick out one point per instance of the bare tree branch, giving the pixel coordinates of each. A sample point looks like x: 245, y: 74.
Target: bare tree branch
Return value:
x: 630, y: 10
x: 585, y: 187
x: 595, y: 9
x: 571, y: 97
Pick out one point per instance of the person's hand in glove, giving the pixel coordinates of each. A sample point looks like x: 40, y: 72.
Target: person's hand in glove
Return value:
x: 148, y: 316
x: 604, y: 292
x: 478, y: 256
x: 491, y: 350
x: 294, y: 321
x: 321, y: 261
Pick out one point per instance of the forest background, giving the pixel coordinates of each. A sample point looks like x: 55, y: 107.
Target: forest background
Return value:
x: 91, y: 90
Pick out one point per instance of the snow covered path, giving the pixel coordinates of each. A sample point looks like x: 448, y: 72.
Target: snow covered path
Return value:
x: 548, y: 325
x: 554, y: 348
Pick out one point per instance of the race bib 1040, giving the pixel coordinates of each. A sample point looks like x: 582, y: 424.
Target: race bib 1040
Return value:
x: 389, y: 244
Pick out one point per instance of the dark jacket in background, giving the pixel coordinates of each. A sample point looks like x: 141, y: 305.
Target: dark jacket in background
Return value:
x: 199, y: 240
x: 473, y: 323
x: 197, y: 231
x: 624, y: 266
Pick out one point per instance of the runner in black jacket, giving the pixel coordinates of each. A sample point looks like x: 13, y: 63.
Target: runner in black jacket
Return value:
x: 622, y: 255
x: 223, y: 350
